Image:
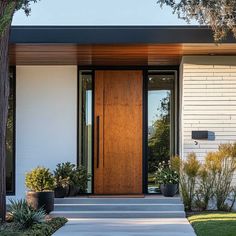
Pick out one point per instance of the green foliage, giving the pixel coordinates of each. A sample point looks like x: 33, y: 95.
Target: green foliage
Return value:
x: 205, y: 190
x: 219, y: 14
x: 175, y: 163
x: 226, y: 163
x: 159, y: 142
x: 10, y: 7
x: 75, y: 176
x: 6, y: 18
x: 23, y: 215
x: 189, y: 173
x: 80, y: 179
x: 165, y: 174
x: 213, y: 179
x: 46, y: 228
x: 62, y: 174
x: 40, y: 179
x: 65, y: 171
x: 60, y: 182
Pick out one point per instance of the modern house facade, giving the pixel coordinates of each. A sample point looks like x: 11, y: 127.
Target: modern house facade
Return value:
x: 117, y: 100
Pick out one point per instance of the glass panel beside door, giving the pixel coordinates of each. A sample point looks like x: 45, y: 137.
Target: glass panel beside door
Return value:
x: 85, y: 123
x: 161, y: 123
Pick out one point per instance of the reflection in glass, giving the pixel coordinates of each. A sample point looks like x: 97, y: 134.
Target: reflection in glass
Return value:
x: 160, y: 123
x: 85, y: 123
x: 10, y: 155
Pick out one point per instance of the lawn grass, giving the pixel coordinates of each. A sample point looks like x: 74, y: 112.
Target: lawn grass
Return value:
x: 214, y: 224
x: 44, y: 229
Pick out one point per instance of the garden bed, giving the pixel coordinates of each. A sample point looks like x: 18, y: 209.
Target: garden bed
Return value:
x: 46, y: 228
x: 213, y: 223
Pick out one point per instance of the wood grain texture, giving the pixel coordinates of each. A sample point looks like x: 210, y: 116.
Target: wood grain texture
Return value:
x: 112, y: 55
x: 120, y: 169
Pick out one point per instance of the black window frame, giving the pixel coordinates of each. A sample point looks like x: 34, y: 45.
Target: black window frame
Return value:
x: 165, y: 70
x: 146, y: 69
x: 12, y: 83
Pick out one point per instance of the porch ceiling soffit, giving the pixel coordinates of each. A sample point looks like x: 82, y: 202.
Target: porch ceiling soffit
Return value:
x: 112, y: 55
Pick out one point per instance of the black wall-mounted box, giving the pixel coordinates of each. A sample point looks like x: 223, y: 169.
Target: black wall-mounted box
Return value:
x: 203, y: 134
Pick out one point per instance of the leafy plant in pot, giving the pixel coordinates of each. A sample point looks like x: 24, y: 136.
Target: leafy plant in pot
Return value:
x: 67, y: 170
x: 168, y: 178
x: 41, y: 184
x: 62, y: 187
x: 77, y: 178
x: 79, y: 181
x: 62, y: 175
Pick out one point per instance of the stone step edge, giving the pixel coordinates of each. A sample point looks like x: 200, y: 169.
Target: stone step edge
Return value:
x: 119, y: 198
x: 118, y: 212
x: 118, y: 204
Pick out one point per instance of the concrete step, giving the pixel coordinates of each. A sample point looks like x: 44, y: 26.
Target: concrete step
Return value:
x: 119, y: 214
x: 146, y: 200
x: 146, y: 207
x: 119, y: 207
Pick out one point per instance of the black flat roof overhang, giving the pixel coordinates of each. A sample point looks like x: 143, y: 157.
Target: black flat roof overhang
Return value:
x: 112, y: 35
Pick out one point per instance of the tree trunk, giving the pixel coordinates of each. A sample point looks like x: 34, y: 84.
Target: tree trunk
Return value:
x: 4, y: 93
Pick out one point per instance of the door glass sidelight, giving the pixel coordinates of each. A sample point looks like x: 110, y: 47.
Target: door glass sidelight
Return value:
x: 85, y: 123
x: 161, y: 122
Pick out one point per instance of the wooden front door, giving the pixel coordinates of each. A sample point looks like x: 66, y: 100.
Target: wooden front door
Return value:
x: 118, y: 132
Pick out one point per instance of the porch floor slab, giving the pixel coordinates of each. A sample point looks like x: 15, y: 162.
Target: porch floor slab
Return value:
x: 127, y: 227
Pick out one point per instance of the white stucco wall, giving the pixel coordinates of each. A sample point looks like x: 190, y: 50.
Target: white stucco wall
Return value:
x: 46, y: 118
x: 208, y: 102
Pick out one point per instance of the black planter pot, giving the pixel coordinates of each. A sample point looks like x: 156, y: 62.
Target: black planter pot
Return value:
x: 39, y: 200
x: 169, y: 190
x: 60, y: 192
x: 73, y: 190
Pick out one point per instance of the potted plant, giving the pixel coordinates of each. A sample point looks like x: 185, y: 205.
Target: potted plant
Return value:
x: 79, y: 181
x: 168, y: 179
x: 66, y: 170
x: 62, y: 175
x: 41, y: 183
x: 62, y: 187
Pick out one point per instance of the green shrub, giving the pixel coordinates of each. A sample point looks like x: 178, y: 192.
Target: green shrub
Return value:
x: 46, y: 228
x: 226, y: 162
x: 62, y: 174
x: 212, y: 180
x: 206, y: 182
x: 188, y: 178
x: 75, y: 176
x: 65, y: 171
x: 23, y: 215
x: 165, y: 174
x: 40, y: 179
x: 80, y: 179
x: 175, y: 163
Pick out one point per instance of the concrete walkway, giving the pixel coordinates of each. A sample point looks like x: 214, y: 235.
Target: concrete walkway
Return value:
x: 127, y: 227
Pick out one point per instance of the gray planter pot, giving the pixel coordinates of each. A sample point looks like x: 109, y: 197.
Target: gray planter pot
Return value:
x: 169, y: 190
x: 39, y: 200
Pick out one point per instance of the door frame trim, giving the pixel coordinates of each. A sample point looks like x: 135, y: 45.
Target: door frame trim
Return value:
x: 145, y: 69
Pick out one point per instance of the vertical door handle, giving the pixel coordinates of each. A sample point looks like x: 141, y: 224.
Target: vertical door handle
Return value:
x: 98, y: 139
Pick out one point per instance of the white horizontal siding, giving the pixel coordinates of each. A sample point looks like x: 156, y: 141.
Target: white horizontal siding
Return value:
x: 208, y: 102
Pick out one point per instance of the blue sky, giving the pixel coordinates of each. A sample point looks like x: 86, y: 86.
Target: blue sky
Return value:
x: 97, y: 12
